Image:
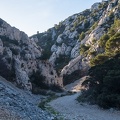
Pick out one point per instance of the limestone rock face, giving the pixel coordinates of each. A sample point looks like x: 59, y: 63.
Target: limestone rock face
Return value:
x: 59, y: 39
x: 75, y: 51
x: 68, y: 50
x: 21, y: 76
x: 73, y: 34
x: 53, y: 57
x: 95, y: 34
x: 21, y: 55
x: 72, y: 66
x: 95, y: 6
x: 103, y: 20
x: 50, y: 74
x: 1, y: 47
x: 63, y: 48
x: 64, y: 39
x: 54, y: 48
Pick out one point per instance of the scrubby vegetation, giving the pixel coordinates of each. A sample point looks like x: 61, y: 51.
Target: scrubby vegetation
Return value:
x: 103, y: 85
x: 99, y: 59
x: 103, y: 40
x: 61, y: 62
x: 101, y: 29
x: 38, y: 81
x: 67, y: 79
x: 82, y: 36
x: 6, y: 41
x: 113, y: 44
x: 110, y: 43
x: 5, y: 71
x: 43, y: 103
x: 40, y: 86
x: 45, y: 106
x: 83, y: 49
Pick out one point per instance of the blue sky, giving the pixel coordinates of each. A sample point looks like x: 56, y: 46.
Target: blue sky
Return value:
x: 31, y: 16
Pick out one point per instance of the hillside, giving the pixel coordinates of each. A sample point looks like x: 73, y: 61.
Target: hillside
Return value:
x: 82, y: 40
x: 20, y: 59
x: 17, y: 104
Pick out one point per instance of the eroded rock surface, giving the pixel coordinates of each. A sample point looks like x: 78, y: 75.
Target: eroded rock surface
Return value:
x: 17, y: 104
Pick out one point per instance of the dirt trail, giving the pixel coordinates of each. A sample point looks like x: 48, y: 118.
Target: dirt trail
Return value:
x: 72, y: 110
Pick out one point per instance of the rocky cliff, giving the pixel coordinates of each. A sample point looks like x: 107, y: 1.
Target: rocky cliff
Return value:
x: 74, y: 43
x: 20, y: 59
x: 66, y: 50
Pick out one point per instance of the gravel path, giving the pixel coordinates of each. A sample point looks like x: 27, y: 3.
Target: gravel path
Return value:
x: 72, y: 110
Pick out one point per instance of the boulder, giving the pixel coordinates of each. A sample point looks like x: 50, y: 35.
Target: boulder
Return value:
x: 59, y: 39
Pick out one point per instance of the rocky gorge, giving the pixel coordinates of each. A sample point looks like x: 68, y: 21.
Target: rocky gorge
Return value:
x: 55, y: 58
x: 74, y: 42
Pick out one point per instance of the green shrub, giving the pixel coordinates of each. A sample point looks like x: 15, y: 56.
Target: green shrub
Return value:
x: 83, y: 49
x: 111, y: 15
x: 103, y: 40
x: 81, y: 17
x: 67, y: 79
x: 40, y: 86
x: 43, y: 104
x: 86, y: 23
x: 61, y: 62
x: 82, y: 36
x: 92, y: 53
x: 108, y: 100
x: 94, y: 41
x: 94, y: 25
x: 114, y: 28
x: 99, y: 59
x: 103, y: 85
x: 38, y: 80
x: 45, y: 55
x: 75, y: 24
x: 113, y: 45
x: 111, y: 32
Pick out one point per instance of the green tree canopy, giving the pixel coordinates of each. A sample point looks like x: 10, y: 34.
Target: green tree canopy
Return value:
x: 113, y: 44
x: 103, y: 85
x: 99, y: 59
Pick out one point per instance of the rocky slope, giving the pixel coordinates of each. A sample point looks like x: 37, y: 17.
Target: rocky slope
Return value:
x: 70, y: 45
x: 17, y: 104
